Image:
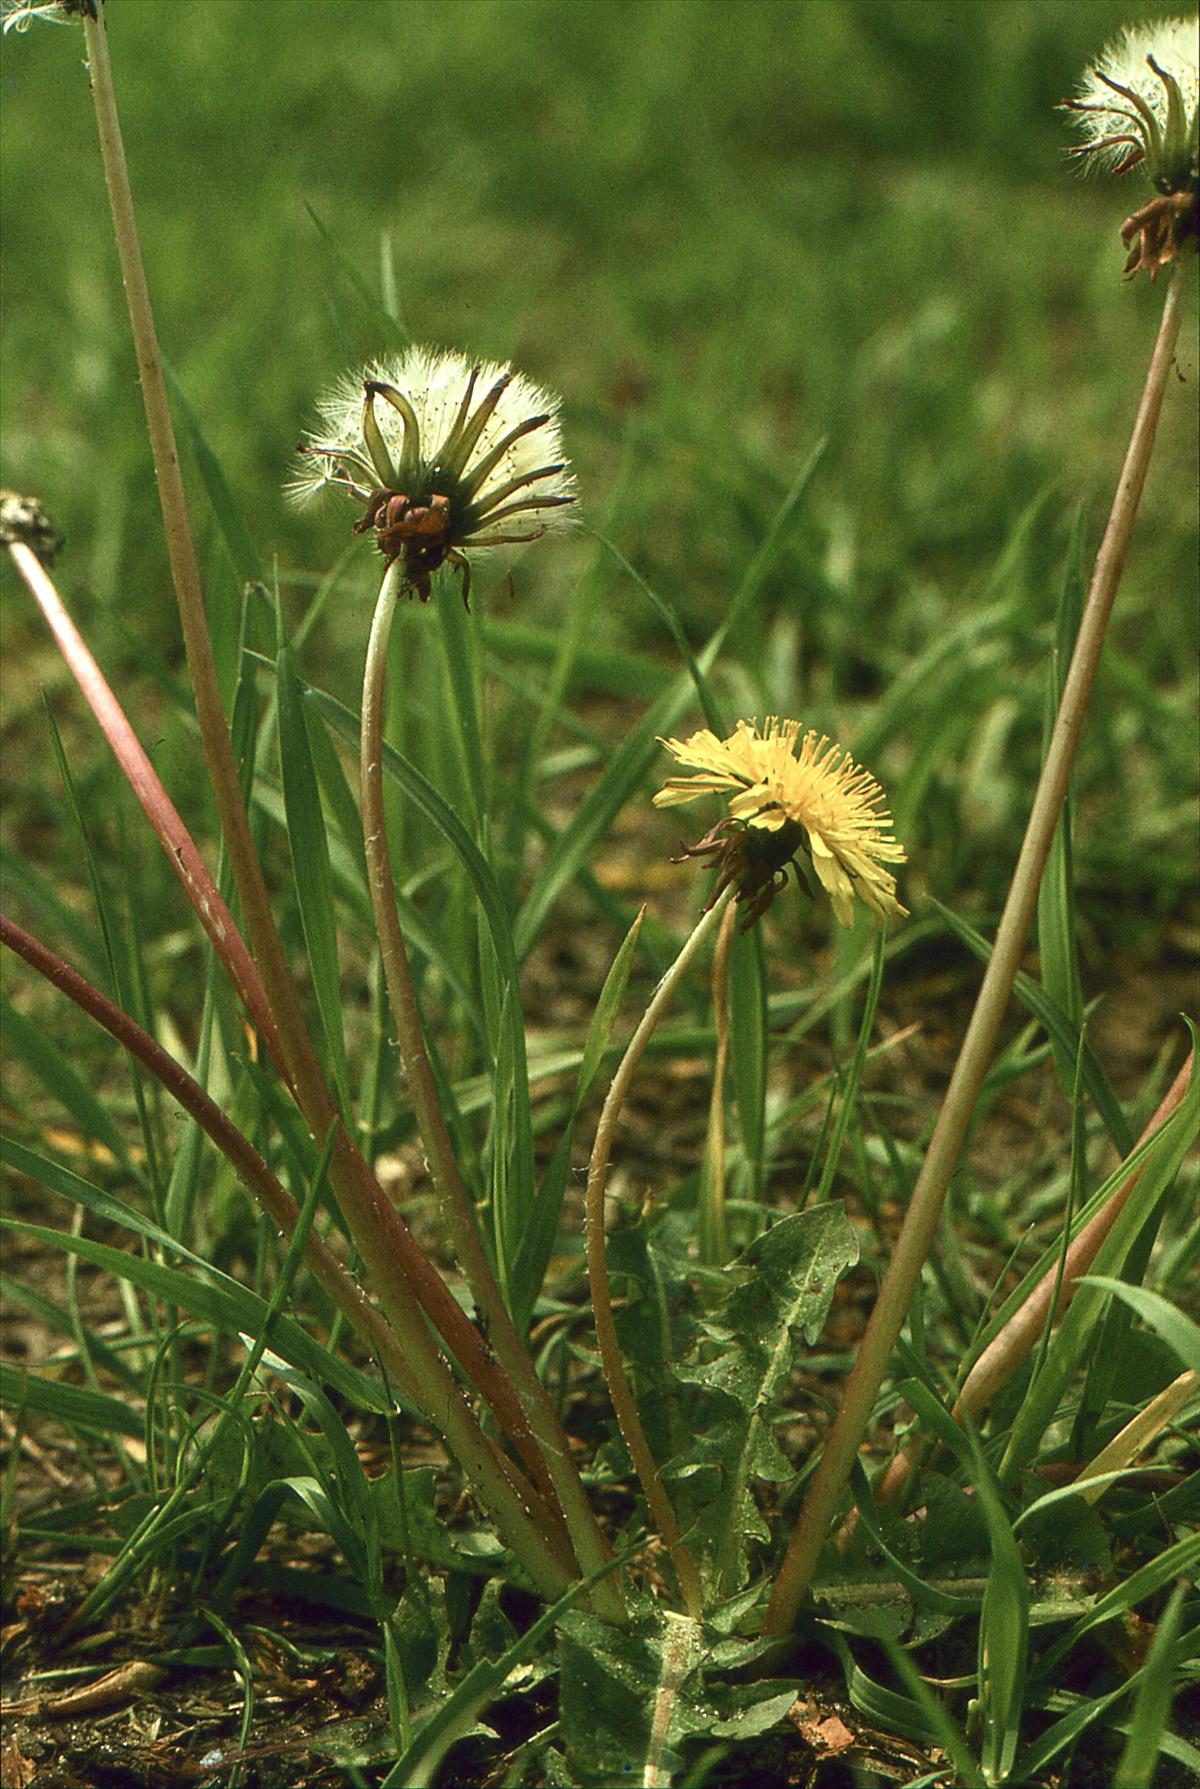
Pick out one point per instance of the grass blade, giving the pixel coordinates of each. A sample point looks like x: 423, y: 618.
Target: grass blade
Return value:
x: 309, y: 847
x: 625, y: 770
x: 1057, y: 949
x: 1162, y: 1156
x: 537, y: 1243
x: 1172, y: 1324
x: 1003, y: 1630
x: 1152, y: 1708
x: 393, y: 331
x: 217, y: 1298
x: 72, y: 1405
x: 1060, y: 1030
x: 45, y: 1060
x: 230, y: 521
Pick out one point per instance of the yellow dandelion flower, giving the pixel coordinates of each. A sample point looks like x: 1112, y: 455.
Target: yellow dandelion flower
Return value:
x: 788, y: 794
x: 444, y: 454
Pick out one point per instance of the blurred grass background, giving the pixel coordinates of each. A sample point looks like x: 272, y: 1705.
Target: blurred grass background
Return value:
x: 722, y: 231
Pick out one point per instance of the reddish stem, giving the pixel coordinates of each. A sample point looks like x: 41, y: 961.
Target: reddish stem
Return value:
x: 262, y: 1184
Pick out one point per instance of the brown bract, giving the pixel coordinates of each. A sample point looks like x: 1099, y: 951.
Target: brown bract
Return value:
x: 1158, y: 232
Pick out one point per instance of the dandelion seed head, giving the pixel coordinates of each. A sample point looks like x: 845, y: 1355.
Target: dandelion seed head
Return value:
x: 1138, y: 103
x: 446, y: 454
x: 19, y: 15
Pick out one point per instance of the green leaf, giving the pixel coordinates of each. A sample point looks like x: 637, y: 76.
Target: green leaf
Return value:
x: 782, y: 1284
x: 628, y: 1698
x: 218, y: 1299
x: 1152, y: 1709
x: 1057, y: 951
x: 848, y: 1094
x: 1060, y: 1030
x: 44, y: 1059
x: 895, y: 1713
x: 708, y: 702
x: 440, y: 815
x: 458, y: 651
x: 230, y: 521
x: 1003, y: 1630
x: 542, y: 1225
x: 15, y: 1292
x: 390, y: 327
x: 436, y: 1732
x: 924, y: 1596
x: 940, y: 1723
x: 1173, y: 1562
x: 1159, y: 1159
x: 1175, y: 1328
x: 72, y: 1405
x: 625, y: 771
x: 610, y: 670
x: 56, y: 918
x: 510, y: 1141
x: 631, y: 761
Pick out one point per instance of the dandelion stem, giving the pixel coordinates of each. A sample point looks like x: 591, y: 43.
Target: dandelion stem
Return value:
x: 518, y: 1509
x: 398, y: 1268
x: 556, y: 1474
x: 714, y: 1239
x: 978, y: 1046
x: 389, y: 1249
x: 178, y: 844
x: 619, y: 1389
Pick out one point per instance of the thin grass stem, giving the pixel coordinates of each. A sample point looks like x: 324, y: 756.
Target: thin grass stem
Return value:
x: 975, y: 1056
x: 518, y: 1511
x: 396, y: 1263
x: 155, y: 803
x: 397, y: 1266
x: 619, y: 1389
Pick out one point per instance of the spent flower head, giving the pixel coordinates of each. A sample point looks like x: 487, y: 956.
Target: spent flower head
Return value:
x: 1138, y: 105
x: 788, y: 794
x: 19, y: 15
x: 444, y: 454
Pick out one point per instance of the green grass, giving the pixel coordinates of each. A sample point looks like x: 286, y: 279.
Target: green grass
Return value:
x: 848, y: 368
x: 723, y: 234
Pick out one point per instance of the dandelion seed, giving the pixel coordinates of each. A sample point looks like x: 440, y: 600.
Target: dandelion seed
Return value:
x: 1138, y: 105
x: 788, y: 795
x: 19, y: 15
x: 445, y: 455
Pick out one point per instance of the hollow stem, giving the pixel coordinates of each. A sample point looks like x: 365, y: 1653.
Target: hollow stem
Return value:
x: 396, y: 1265
x: 714, y: 1239
x: 619, y: 1389
x: 155, y: 803
x: 185, y: 573
x: 925, y: 1207
x: 556, y: 1473
x: 520, y: 1514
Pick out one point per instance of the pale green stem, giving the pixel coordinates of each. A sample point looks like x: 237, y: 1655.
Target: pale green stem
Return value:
x: 619, y: 1389
x: 553, y: 1466
x: 396, y: 1265
x: 925, y: 1207
x: 714, y: 1237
